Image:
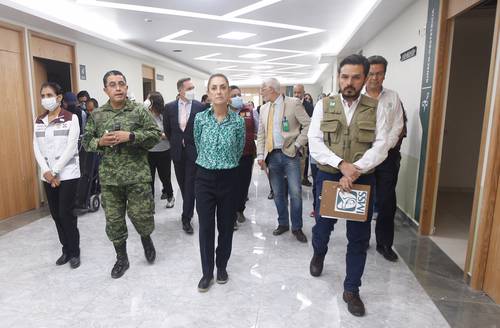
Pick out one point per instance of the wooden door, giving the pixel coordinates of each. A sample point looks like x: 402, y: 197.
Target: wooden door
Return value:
x: 492, y: 275
x: 17, y: 163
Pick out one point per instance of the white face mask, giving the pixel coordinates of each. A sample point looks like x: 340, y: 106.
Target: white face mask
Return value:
x: 147, y: 103
x: 190, y: 94
x: 50, y: 104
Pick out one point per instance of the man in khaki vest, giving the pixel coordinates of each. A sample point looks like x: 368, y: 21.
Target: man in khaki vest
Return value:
x: 347, y: 138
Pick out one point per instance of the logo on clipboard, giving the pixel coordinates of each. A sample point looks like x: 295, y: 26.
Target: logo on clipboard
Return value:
x: 353, y: 202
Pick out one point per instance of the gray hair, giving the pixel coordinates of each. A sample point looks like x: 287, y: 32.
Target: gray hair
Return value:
x: 273, y: 84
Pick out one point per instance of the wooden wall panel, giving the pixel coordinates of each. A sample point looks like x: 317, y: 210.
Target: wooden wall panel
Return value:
x: 148, y: 72
x: 49, y: 49
x: 455, y: 7
x: 17, y: 174
x: 491, y: 279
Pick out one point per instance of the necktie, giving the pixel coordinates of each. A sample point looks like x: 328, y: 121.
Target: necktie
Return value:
x: 270, y: 126
x: 183, y: 118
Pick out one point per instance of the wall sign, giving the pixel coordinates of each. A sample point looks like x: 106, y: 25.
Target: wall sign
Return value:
x: 83, y: 72
x: 408, y: 54
x: 426, y: 92
x: 160, y: 77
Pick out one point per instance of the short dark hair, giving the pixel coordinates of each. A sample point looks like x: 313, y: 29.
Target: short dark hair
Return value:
x: 83, y: 93
x: 54, y: 86
x: 204, y: 98
x: 217, y: 75
x: 355, y: 59
x: 157, y: 102
x: 94, y: 101
x: 233, y: 87
x: 112, y: 72
x: 180, y: 82
x: 374, y: 60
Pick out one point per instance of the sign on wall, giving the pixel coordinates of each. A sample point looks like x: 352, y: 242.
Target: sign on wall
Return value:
x: 408, y: 54
x: 426, y: 92
x: 83, y: 72
x: 160, y: 77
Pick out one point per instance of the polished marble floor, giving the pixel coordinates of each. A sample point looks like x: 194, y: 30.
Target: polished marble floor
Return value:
x: 453, y: 213
x: 269, y: 284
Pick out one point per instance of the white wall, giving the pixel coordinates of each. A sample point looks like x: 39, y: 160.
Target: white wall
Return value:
x: 407, y: 31
x: 98, y: 61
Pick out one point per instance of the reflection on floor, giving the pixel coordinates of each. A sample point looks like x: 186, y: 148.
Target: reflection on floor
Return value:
x: 269, y: 282
x: 453, y: 214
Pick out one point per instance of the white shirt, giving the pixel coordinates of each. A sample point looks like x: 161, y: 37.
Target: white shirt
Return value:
x: 187, y: 105
x: 323, y: 155
x: 277, y: 121
x: 56, y: 146
x: 389, y: 102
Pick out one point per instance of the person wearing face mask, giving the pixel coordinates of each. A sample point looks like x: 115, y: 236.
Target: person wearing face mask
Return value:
x: 55, y: 144
x: 83, y: 96
x: 245, y: 167
x: 159, y: 156
x: 178, y: 120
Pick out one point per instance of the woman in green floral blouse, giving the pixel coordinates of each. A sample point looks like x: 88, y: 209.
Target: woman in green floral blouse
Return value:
x: 219, y: 135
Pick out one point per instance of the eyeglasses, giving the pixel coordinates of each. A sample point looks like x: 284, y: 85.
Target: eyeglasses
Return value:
x: 114, y: 85
x: 378, y: 74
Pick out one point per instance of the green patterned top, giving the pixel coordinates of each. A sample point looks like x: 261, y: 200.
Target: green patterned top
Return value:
x: 126, y: 163
x: 219, y: 145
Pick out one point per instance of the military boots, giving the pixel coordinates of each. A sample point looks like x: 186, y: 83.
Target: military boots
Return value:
x: 121, y: 264
x: 149, y: 249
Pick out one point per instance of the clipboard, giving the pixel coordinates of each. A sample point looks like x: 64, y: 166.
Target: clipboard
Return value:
x: 336, y: 204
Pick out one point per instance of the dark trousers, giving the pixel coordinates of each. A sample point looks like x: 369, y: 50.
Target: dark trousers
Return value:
x: 386, y: 176
x: 215, y: 195
x: 244, y: 178
x: 160, y: 161
x: 61, y: 201
x: 185, y: 172
x: 314, y: 172
x: 358, y: 233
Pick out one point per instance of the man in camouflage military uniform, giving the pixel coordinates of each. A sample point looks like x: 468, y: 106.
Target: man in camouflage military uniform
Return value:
x: 123, y: 131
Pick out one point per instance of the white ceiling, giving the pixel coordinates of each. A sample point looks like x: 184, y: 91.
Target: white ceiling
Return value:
x: 292, y: 34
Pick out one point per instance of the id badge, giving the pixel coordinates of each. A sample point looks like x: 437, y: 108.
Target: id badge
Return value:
x: 286, y: 128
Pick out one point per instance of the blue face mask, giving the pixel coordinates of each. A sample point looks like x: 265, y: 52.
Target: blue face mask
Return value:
x: 237, y: 102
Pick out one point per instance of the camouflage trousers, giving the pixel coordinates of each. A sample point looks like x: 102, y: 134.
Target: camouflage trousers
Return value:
x: 137, y: 201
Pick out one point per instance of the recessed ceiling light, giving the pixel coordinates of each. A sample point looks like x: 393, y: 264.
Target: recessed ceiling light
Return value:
x: 177, y: 50
x: 252, y: 55
x: 262, y: 67
x: 148, y: 20
x: 236, y: 35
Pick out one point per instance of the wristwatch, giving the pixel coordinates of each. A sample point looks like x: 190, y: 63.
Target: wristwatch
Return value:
x: 131, y: 137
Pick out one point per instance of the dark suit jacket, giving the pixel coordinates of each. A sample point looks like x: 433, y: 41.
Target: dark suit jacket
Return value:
x: 174, y: 133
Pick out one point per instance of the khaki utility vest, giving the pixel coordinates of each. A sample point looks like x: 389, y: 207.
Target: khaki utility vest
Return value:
x: 349, y: 142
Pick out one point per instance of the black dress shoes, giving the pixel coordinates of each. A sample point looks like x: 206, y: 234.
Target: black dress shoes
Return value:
x: 74, y: 262
x: 300, y: 235
x: 280, y: 230
x: 187, y: 227
x: 316, y: 265
x: 222, y: 276
x: 354, y: 304
x: 306, y: 182
x: 271, y: 195
x: 149, y: 249
x: 205, y: 283
x: 63, y: 259
x: 387, y: 253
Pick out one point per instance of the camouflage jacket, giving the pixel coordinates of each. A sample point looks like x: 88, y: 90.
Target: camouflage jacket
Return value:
x: 127, y: 162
